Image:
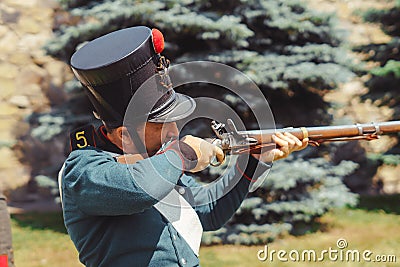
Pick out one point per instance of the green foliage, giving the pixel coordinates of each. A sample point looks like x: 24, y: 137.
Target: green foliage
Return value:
x: 50, y: 125
x: 246, y: 234
x: 387, y: 159
x: 382, y: 52
x: 266, y: 22
x: 388, y: 18
x: 101, y: 18
x: 384, y: 84
x: 391, y: 68
x: 296, y: 66
x: 281, y: 45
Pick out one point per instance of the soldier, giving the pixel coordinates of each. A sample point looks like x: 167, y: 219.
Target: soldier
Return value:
x: 138, y: 209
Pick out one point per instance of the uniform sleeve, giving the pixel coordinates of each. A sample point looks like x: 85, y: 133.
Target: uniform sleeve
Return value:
x: 98, y: 185
x: 217, y: 202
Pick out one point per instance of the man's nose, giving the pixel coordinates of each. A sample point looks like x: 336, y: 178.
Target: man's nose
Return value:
x: 172, y: 130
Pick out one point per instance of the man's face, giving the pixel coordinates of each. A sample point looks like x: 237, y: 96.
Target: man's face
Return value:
x: 156, y: 134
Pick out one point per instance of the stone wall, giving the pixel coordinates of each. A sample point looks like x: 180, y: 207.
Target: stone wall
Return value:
x: 30, y: 81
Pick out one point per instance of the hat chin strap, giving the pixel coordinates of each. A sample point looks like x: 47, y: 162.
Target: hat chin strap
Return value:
x: 141, y: 148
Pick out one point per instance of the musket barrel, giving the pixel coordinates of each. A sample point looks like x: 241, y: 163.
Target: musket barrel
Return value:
x: 328, y: 132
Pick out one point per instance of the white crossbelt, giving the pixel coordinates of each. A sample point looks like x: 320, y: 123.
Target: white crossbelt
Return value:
x: 183, y: 217
x: 60, y: 175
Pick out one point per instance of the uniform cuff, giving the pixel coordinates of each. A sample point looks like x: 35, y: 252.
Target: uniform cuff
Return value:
x: 185, y: 152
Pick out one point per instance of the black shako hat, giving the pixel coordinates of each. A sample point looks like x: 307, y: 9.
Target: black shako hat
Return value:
x: 113, y: 67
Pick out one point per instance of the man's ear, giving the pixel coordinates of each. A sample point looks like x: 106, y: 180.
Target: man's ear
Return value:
x: 120, y: 137
x: 125, y: 137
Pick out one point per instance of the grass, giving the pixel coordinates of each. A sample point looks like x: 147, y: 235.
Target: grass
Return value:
x: 363, y: 230
x: 41, y: 240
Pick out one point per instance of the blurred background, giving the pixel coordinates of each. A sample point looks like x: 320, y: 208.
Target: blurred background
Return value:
x: 318, y: 62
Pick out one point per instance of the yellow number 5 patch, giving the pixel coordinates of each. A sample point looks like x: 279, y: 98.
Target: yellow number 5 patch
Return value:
x: 81, y: 139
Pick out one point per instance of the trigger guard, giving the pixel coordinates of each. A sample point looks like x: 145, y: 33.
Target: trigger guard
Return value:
x: 217, y: 163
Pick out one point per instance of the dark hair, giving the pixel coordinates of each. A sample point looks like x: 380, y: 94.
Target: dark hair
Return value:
x: 109, y: 128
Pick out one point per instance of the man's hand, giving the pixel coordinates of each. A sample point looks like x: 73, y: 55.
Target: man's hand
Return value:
x: 285, y: 144
x: 204, y: 150
x: 129, y: 158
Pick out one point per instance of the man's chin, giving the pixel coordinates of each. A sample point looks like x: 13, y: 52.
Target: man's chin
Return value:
x: 154, y: 151
x: 151, y: 153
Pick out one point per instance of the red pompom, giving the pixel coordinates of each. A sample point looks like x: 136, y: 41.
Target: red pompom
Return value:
x: 158, y: 40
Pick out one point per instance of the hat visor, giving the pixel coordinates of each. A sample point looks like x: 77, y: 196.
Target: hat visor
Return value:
x: 184, y: 106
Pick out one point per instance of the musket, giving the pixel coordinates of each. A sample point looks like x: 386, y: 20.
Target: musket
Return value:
x: 233, y: 141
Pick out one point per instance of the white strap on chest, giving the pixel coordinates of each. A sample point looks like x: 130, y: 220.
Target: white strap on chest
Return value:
x: 60, y: 175
x: 183, y: 217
